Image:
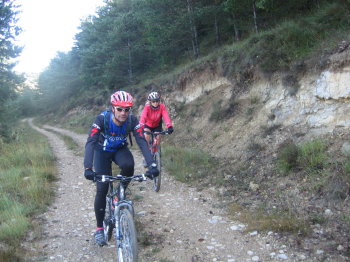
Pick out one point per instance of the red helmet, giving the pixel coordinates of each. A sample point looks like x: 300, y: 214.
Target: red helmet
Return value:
x: 122, y: 98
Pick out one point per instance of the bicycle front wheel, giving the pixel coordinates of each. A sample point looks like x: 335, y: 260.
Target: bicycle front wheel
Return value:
x: 108, y: 223
x: 127, y: 244
x: 157, y: 180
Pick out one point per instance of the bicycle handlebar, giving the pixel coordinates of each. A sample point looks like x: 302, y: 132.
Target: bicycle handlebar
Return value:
x: 107, y: 178
x: 156, y: 132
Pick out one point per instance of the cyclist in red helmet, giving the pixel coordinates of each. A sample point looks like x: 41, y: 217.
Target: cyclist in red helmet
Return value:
x: 153, y: 115
x: 107, y: 143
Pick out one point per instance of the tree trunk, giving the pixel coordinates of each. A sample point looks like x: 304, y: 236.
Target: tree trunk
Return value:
x: 195, y: 44
x: 217, y: 36
x: 129, y: 62
x: 235, y: 28
x: 254, y: 15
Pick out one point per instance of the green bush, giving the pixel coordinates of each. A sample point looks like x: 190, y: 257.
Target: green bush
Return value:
x: 310, y: 156
x: 313, y: 155
x: 346, y: 167
x: 287, y: 158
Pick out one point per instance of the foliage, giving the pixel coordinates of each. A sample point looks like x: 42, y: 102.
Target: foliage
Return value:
x: 288, y: 158
x: 309, y: 156
x: 346, y: 167
x: 26, y: 168
x: 9, y: 81
x: 129, y: 40
x: 313, y: 155
x: 187, y: 165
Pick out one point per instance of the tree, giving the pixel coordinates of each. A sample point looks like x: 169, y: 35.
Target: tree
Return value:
x: 111, y: 45
x: 9, y: 81
x: 195, y: 43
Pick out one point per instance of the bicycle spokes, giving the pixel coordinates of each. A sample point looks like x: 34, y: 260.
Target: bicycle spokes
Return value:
x: 127, y: 244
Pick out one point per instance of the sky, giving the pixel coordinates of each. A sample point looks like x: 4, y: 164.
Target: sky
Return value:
x: 49, y: 26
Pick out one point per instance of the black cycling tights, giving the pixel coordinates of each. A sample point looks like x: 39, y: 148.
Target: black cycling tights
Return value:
x: 103, y: 166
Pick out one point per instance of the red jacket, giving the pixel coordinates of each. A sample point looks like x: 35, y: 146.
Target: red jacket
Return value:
x: 152, y: 116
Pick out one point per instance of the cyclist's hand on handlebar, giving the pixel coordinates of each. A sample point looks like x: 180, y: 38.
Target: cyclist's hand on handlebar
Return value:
x: 90, y: 175
x: 152, y: 171
x: 139, y: 128
x: 170, y: 130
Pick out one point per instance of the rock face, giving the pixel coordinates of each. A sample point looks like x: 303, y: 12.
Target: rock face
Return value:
x: 318, y: 101
x: 333, y: 85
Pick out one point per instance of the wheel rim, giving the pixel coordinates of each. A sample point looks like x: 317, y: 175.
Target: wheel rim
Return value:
x: 106, y: 225
x: 157, y: 180
x: 127, y: 251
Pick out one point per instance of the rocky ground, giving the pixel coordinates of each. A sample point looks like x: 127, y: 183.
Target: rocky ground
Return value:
x: 178, y: 224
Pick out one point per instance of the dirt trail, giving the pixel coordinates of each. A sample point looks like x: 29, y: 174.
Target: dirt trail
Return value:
x: 178, y: 224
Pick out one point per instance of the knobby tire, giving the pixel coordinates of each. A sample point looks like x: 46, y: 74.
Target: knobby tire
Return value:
x: 157, y: 180
x: 108, y: 224
x: 127, y: 249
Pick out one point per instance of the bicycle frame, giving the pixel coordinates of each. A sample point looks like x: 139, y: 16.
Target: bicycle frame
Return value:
x: 156, y: 155
x: 121, y: 217
x: 122, y: 203
x: 153, y: 146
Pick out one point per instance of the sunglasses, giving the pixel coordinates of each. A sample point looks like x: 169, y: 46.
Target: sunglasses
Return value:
x: 119, y: 109
x: 155, y: 101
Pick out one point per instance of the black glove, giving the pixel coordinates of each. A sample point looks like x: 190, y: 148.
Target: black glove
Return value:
x: 152, y: 171
x: 170, y: 130
x: 89, y: 174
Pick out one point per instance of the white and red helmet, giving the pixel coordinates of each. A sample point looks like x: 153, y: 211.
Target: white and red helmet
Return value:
x: 122, y: 98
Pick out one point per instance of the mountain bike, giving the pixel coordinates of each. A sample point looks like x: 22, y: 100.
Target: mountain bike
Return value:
x: 156, y: 154
x: 120, y: 217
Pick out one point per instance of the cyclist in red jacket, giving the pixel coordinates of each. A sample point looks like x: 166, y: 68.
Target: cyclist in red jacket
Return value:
x: 153, y: 115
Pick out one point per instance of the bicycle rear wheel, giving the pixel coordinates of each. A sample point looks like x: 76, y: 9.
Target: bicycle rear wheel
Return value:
x: 127, y: 244
x: 157, y: 180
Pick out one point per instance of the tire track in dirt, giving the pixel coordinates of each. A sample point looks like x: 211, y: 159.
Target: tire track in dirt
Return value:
x: 178, y: 224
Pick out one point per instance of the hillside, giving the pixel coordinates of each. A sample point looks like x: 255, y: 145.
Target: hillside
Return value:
x: 245, y: 125
x: 250, y: 121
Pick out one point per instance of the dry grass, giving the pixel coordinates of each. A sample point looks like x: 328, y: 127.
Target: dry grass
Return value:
x: 261, y: 221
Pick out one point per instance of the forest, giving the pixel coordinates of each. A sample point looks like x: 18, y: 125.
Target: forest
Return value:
x: 131, y: 41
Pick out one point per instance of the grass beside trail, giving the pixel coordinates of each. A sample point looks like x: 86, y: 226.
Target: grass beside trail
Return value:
x: 69, y: 142
x: 188, y: 165
x: 27, y: 169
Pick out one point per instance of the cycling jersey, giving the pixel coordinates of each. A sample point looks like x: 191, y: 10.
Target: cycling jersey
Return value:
x: 114, y: 136
x: 112, y: 140
x: 152, y: 116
